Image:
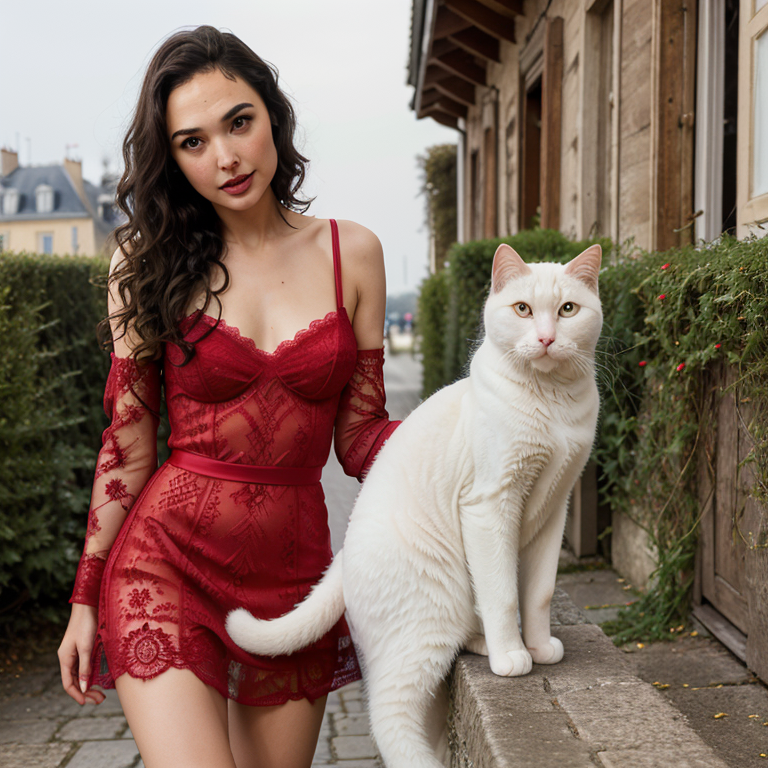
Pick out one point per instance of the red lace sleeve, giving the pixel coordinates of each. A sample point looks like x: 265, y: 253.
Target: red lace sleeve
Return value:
x: 362, y: 423
x: 127, y: 459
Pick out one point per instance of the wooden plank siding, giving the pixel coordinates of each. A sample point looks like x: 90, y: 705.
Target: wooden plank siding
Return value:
x: 551, y: 123
x: 570, y: 139
x: 675, y: 47
x: 635, y: 122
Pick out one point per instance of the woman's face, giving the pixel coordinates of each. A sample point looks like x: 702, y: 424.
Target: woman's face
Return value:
x: 221, y: 137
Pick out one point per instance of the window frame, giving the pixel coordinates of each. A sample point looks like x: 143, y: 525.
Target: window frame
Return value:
x: 752, y: 211
x: 41, y: 243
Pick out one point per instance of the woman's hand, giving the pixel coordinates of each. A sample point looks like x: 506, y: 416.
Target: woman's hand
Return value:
x: 75, y: 654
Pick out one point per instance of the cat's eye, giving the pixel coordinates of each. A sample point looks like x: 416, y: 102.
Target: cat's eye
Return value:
x: 522, y: 309
x: 569, y: 309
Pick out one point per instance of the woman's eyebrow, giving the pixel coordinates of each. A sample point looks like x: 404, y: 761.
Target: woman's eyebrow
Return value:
x: 232, y: 112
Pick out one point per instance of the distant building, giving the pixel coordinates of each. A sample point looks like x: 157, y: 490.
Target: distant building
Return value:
x: 52, y: 209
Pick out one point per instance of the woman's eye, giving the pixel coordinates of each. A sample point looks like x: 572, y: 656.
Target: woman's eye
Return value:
x: 191, y: 143
x: 240, y: 121
x: 522, y: 309
x: 569, y: 309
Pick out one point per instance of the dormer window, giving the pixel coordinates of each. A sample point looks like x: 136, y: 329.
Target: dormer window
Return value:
x: 105, y: 206
x: 44, y: 198
x: 10, y: 201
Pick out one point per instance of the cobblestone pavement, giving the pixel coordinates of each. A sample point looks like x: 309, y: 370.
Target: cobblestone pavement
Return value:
x: 41, y: 727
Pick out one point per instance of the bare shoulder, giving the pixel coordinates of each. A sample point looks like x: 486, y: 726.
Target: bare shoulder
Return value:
x: 118, y: 257
x: 362, y: 260
x: 362, y: 257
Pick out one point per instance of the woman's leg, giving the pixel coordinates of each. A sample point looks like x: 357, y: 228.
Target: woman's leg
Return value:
x: 284, y: 736
x: 176, y: 720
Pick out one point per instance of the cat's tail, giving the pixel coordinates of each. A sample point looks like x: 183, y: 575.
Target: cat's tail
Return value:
x: 307, y: 622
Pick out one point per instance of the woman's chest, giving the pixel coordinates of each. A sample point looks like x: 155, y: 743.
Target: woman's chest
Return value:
x: 315, y: 364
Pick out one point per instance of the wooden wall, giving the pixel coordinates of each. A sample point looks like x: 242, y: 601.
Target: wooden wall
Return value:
x: 651, y: 142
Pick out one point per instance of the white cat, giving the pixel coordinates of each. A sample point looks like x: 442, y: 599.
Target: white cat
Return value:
x: 460, y: 520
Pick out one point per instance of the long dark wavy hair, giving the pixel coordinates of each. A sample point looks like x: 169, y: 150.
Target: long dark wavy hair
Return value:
x: 172, y: 238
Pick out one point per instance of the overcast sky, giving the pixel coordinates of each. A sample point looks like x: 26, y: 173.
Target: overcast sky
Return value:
x: 71, y: 72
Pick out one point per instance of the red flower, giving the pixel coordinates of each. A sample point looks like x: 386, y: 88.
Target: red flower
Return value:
x: 662, y: 297
x: 717, y: 346
x: 642, y: 363
x: 680, y: 367
x: 665, y: 266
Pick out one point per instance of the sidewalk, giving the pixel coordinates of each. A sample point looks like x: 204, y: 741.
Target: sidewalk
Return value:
x: 710, y: 689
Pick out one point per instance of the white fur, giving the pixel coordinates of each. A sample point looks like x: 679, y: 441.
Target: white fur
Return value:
x: 460, y: 521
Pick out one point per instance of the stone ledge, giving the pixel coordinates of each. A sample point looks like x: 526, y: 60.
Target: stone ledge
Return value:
x: 589, y: 711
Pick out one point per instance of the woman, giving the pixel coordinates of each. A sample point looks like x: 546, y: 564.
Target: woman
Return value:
x: 265, y: 328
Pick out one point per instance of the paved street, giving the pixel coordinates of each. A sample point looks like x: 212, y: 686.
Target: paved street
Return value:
x: 41, y: 727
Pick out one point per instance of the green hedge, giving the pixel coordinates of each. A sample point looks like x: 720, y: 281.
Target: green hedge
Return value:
x: 52, y: 375
x: 678, y: 320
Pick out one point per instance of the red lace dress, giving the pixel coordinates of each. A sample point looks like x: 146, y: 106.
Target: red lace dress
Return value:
x: 169, y: 552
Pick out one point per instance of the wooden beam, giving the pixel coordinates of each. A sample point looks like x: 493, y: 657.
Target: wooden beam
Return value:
x: 429, y: 97
x: 446, y: 104
x: 443, y: 118
x: 435, y: 74
x: 488, y: 21
x: 477, y: 43
x: 551, y: 122
x: 514, y: 6
x: 457, y: 89
x: 461, y: 64
x: 441, y: 47
x: 448, y: 23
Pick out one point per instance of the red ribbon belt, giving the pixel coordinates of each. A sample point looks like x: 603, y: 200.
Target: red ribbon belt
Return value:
x: 244, y: 473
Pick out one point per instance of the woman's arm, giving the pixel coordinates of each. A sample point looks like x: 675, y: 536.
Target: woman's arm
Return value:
x: 362, y: 421
x: 128, y: 456
x: 127, y: 459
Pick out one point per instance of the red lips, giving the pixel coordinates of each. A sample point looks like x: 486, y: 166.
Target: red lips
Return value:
x: 238, y: 185
x: 236, y: 182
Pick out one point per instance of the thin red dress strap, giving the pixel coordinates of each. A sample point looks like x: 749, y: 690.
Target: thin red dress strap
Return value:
x: 337, y: 263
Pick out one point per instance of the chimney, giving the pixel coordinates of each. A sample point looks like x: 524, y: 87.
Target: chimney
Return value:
x: 75, y: 170
x: 10, y: 161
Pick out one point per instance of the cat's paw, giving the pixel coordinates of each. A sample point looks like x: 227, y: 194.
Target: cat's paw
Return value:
x: 548, y: 653
x: 511, y: 663
x: 476, y: 644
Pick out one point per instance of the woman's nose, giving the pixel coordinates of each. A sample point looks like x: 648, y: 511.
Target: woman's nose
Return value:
x: 227, y: 158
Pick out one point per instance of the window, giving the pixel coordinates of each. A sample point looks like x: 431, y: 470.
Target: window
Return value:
x: 44, y: 198
x: 717, y: 83
x: 45, y: 242
x: 760, y: 150
x: 11, y: 201
x: 75, y: 243
x: 752, y: 168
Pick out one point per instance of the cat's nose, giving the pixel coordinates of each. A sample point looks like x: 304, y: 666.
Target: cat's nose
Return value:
x: 546, y: 341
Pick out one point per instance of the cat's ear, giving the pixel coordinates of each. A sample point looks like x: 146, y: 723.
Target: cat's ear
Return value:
x: 507, y: 265
x: 586, y: 266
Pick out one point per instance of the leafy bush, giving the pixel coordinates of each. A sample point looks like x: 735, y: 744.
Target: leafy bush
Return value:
x: 679, y: 318
x: 433, y: 302
x: 52, y: 375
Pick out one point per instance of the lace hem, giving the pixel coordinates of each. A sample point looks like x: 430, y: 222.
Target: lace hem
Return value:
x: 153, y: 654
